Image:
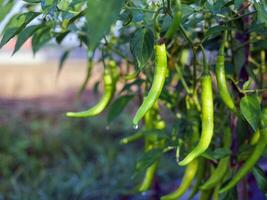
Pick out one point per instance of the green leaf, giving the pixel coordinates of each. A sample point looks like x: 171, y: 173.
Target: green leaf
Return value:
x: 215, y: 31
x: 16, y: 25
x: 63, y: 58
x: 247, y: 84
x: 32, y: 1
x: 263, y: 118
x: 229, y: 195
x: 141, y: 46
x: 61, y: 36
x: 187, y: 10
x: 261, y: 8
x: 147, y: 159
x: 40, y: 38
x: 221, y: 153
x: 239, y: 57
x: 100, y: 16
x: 137, y: 16
x: 24, y: 35
x: 128, y: 86
x: 261, y: 179
x: 118, y: 106
x: 250, y: 109
x: 5, y: 9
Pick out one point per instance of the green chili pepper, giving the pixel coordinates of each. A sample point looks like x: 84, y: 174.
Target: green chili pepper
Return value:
x: 175, y: 21
x: 157, y: 85
x: 263, y: 119
x: 189, y: 175
x: 221, y: 80
x: 216, y: 195
x: 207, y: 120
x: 219, y: 173
x: 110, y: 79
x: 200, y: 177
x: 152, y: 121
x: 250, y: 162
x: 149, y: 177
x: 193, y: 166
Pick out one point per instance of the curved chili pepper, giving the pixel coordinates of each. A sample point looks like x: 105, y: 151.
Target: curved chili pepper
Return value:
x: 207, y: 120
x: 189, y: 175
x: 219, y: 173
x: 148, y: 179
x: 200, y: 176
x: 110, y: 79
x: 157, y: 85
x: 149, y: 144
x: 175, y: 21
x: 216, y: 195
x: 221, y: 80
x: 250, y: 162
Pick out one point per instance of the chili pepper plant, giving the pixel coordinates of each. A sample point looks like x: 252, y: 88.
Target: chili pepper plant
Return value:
x: 196, y: 70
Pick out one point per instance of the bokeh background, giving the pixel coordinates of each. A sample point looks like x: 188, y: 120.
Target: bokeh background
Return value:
x: 45, y: 155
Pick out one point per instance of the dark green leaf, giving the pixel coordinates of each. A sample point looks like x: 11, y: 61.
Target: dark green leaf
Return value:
x: 229, y: 195
x: 32, y: 1
x: 250, y: 109
x: 261, y: 179
x: 17, y: 24
x: 261, y: 8
x: 187, y: 10
x: 141, y: 46
x: 137, y: 16
x: 239, y: 57
x: 221, y: 153
x: 40, y: 38
x: 96, y: 87
x: 100, y: 16
x: 214, y: 31
x: 127, y: 87
x: 63, y: 58
x: 147, y: 159
x: 24, y: 35
x: 118, y: 106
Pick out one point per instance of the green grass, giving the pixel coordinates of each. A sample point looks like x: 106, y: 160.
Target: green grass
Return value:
x: 66, y: 159
x: 57, y: 158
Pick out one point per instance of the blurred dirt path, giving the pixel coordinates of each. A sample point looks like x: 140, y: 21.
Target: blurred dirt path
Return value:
x: 29, y: 81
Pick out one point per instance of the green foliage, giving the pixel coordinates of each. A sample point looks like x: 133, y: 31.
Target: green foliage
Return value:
x: 100, y: 16
x: 43, y: 161
x: 250, y: 109
x: 261, y: 179
x: 126, y: 33
x: 118, y: 106
x: 141, y: 46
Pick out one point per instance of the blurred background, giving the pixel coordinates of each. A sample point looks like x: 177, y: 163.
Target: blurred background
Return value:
x: 45, y: 155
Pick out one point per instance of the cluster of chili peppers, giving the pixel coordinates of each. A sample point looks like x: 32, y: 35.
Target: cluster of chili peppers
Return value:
x: 217, y: 182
